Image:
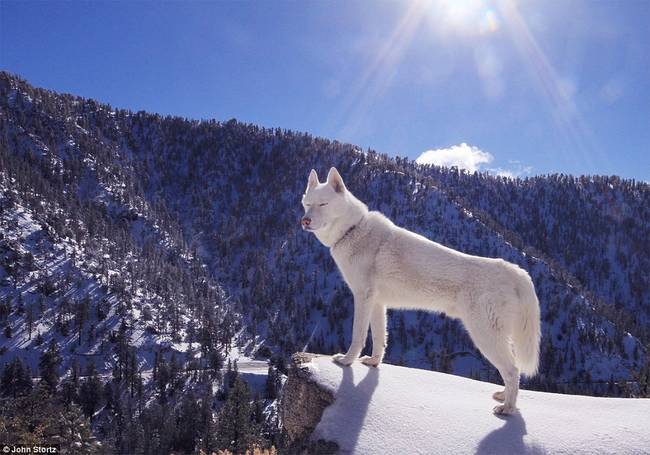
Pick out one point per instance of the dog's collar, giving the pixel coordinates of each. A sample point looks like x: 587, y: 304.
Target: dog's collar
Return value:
x: 350, y: 229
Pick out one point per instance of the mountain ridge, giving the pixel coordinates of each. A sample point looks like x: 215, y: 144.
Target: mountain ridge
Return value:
x: 208, y: 191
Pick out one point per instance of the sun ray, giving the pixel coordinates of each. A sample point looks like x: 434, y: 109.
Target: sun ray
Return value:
x: 374, y: 82
x: 560, y: 104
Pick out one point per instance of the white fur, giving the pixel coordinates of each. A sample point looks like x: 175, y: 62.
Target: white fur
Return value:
x: 386, y: 266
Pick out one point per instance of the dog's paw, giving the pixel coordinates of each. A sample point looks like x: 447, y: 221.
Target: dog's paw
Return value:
x: 342, y: 359
x: 499, y: 396
x: 370, y: 361
x: 504, y: 410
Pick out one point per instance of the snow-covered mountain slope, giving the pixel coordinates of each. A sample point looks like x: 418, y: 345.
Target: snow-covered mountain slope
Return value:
x: 86, y: 261
x: 187, y: 227
x: 393, y: 409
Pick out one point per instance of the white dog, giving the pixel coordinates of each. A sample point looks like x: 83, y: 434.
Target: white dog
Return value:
x: 386, y: 266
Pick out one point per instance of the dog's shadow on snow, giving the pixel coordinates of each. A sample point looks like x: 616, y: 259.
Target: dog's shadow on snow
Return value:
x: 509, y: 438
x: 357, y: 399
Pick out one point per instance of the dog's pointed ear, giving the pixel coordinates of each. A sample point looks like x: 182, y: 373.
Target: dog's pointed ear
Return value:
x: 313, y: 180
x: 335, y: 180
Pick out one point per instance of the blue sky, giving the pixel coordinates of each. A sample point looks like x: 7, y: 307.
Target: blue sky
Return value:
x: 525, y: 87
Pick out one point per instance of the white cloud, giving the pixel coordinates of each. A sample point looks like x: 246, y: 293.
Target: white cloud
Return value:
x: 462, y: 156
x: 472, y: 159
x: 510, y: 173
x: 516, y: 169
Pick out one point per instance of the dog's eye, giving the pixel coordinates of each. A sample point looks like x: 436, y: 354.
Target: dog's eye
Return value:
x: 322, y: 204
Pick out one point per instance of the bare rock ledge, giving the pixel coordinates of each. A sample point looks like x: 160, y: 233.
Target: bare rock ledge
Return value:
x: 301, y: 407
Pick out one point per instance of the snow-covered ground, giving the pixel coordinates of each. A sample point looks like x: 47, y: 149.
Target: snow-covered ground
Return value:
x: 394, y: 409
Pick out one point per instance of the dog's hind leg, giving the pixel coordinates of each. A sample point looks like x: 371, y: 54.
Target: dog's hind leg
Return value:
x: 378, y: 329
x: 489, y: 337
x: 510, y: 374
x: 499, y: 352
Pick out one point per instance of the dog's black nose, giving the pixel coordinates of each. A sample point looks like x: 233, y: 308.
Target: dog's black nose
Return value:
x: 305, y: 221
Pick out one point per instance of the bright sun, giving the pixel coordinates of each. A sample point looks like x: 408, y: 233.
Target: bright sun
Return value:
x: 469, y: 17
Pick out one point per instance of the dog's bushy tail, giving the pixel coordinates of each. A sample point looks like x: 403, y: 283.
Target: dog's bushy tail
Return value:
x: 527, y: 332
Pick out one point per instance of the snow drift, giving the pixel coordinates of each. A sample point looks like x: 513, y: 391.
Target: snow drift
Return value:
x: 393, y: 409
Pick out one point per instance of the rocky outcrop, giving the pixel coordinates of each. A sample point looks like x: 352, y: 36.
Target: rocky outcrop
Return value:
x: 301, y: 408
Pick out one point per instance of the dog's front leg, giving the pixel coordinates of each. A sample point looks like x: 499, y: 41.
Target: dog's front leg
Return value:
x: 378, y: 329
x: 360, y: 324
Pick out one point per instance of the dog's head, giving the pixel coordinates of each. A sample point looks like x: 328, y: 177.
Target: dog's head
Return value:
x: 323, y: 202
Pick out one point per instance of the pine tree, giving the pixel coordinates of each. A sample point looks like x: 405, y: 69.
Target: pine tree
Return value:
x: 207, y: 425
x: 235, y: 429
x: 229, y: 374
x: 272, y: 382
x: 30, y: 321
x: 90, y: 392
x: 162, y: 377
x: 48, y: 366
x: 108, y: 396
x: 643, y: 377
x: 216, y: 363
x: 187, y: 424
x: 174, y: 370
x: 121, y: 350
x: 75, y: 435
x: 16, y: 379
x: 69, y: 392
x: 258, y: 410
x: 81, y: 314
